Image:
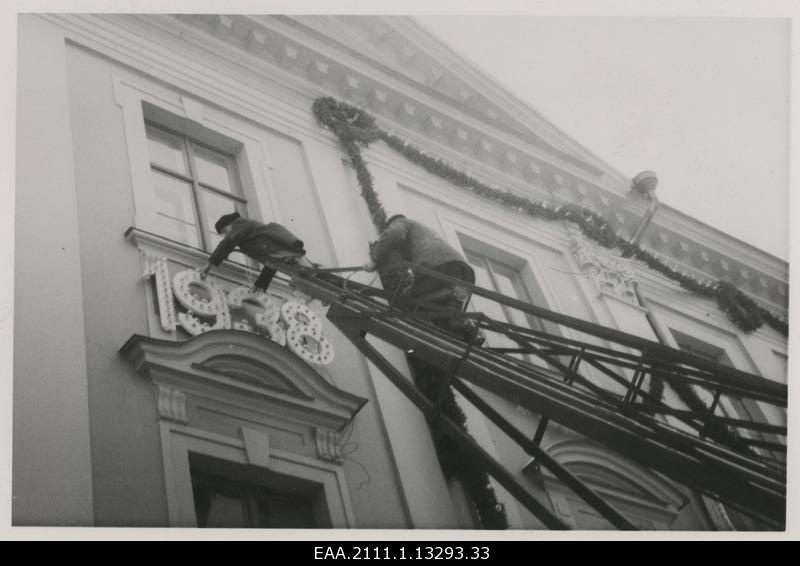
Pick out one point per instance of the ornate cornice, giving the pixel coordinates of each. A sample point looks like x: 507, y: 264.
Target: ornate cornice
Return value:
x: 328, y: 445
x: 710, y: 254
x: 401, y: 92
x: 171, y: 404
x: 410, y: 88
x: 612, y: 274
x: 398, y: 94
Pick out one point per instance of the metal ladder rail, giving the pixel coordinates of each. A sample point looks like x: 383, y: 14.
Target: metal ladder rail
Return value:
x: 333, y: 293
x: 720, y: 473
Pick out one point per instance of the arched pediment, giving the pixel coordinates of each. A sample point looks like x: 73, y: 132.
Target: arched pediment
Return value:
x: 248, y: 370
x: 606, y: 471
x: 243, y: 364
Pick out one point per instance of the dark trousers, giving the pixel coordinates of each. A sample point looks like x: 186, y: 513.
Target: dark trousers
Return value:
x: 267, y: 273
x: 445, y: 294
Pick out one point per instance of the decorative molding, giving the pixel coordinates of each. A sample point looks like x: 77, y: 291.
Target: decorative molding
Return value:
x: 433, y: 125
x: 459, y: 137
x: 407, y: 55
x: 222, y: 26
x: 171, y: 404
x: 288, y: 55
x: 532, y: 171
x: 710, y: 256
x: 179, y: 441
x: 617, y: 477
x: 612, y: 274
x: 189, y: 365
x: 435, y: 75
x: 256, y: 42
x: 277, y: 30
x: 256, y: 447
x: 295, y: 58
x: 193, y: 110
x: 406, y: 112
x: 509, y: 160
x: 276, y: 27
x: 318, y: 70
x: 350, y: 84
x: 378, y: 98
x: 328, y: 445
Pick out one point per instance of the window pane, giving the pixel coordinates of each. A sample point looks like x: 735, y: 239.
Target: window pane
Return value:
x: 489, y: 308
x: 175, y: 209
x: 218, y: 504
x: 212, y: 168
x: 511, y: 288
x: 166, y: 150
x: 284, y: 510
x: 774, y: 415
x: 223, y: 502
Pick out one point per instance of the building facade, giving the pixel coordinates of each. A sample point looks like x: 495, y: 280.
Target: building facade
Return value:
x: 145, y: 397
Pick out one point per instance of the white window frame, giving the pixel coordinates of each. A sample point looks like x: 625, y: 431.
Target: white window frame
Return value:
x: 253, y: 449
x: 188, y: 149
x: 190, y: 115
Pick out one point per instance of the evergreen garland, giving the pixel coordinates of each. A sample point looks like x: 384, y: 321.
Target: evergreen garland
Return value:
x: 455, y: 463
x: 355, y: 128
x: 397, y: 280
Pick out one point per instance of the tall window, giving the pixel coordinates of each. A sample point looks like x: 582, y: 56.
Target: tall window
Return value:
x: 736, y: 407
x: 223, y: 503
x: 194, y: 185
x: 505, y: 280
x: 731, y: 405
x: 228, y: 495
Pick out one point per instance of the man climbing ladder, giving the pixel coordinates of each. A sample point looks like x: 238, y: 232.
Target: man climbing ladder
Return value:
x: 418, y: 244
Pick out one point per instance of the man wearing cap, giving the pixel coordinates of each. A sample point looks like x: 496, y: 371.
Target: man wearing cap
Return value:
x: 419, y: 244
x: 257, y: 241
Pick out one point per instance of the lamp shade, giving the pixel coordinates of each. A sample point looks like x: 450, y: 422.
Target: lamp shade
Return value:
x: 645, y: 182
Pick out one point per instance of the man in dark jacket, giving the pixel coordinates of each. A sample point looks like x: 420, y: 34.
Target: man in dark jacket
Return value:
x: 257, y: 241
x: 419, y: 244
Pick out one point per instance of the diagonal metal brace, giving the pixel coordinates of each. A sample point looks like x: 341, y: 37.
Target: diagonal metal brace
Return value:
x: 463, y: 440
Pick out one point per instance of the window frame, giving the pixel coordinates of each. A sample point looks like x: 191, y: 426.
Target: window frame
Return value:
x: 730, y: 406
x: 228, y: 131
x: 250, y: 483
x: 517, y: 282
x: 204, y: 223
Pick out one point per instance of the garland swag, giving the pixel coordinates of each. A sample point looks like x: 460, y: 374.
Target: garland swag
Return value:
x: 455, y: 463
x: 355, y: 128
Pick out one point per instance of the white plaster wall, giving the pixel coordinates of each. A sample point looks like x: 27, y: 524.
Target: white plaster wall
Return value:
x: 52, y: 480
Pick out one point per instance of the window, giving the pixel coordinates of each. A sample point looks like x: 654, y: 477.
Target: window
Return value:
x: 733, y: 406
x: 194, y: 185
x: 729, y: 405
x: 238, y: 450
x: 501, y: 278
x: 646, y: 499
x: 228, y: 495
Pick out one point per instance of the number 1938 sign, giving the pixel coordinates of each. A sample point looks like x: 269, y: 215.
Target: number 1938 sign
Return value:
x: 206, y: 306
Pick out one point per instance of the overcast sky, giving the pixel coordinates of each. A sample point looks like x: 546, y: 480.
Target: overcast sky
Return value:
x: 703, y: 102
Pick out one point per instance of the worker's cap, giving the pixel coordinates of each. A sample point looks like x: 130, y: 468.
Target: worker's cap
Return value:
x: 225, y: 220
x: 395, y: 217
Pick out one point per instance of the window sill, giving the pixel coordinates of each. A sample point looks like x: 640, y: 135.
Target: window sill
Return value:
x: 191, y: 256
